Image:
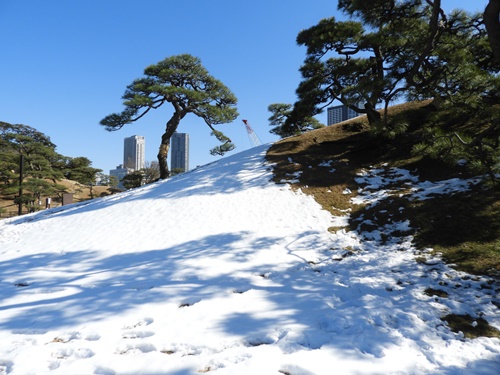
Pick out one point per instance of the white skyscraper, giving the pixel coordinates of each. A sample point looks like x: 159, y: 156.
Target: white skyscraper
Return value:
x: 119, y: 172
x: 133, y: 152
x: 179, y: 151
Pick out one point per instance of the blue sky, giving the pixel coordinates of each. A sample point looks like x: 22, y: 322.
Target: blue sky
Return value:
x: 66, y: 64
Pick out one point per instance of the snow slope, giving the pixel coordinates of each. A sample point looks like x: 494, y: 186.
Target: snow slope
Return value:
x: 221, y: 271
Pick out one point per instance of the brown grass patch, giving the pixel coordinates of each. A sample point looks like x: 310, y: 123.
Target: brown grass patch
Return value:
x: 464, y: 227
x: 80, y: 193
x: 470, y: 327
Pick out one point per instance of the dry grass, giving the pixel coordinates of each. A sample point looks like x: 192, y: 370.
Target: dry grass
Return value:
x: 471, y: 328
x: 464, y: 227
x: 80, y: 193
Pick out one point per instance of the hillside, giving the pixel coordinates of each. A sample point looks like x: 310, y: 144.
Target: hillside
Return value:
x: 233, y: 269
x: 464, y: 226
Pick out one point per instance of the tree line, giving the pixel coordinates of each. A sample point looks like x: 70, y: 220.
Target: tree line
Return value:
x: 30, y: 167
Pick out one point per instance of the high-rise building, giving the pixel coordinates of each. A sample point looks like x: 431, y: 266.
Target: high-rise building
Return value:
x: 133, y: 152
x: 340, y: 113
x: 119, y: 172
x: 179, y: 152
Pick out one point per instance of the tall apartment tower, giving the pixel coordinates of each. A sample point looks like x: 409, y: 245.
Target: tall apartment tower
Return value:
x: 119, y: 172
x: 133, y: 152
x: 340, y: 113
x: 179, y: 151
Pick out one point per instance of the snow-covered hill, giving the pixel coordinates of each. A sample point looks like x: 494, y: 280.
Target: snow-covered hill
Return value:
x: 221, y: 271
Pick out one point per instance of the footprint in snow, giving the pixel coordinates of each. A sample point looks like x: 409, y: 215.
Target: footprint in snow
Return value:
x: 5, y: 367
x: 141, y: 323
x: 137, y: 334
x: 187, y: 350
x: 137, y: 348
x: 67, y: 337
x: 65, y: 353
x: 92, y: 337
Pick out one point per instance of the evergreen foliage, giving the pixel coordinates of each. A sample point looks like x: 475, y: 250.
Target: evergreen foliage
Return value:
x: 183, y: 82
x: 133, y: 180
x: 38, y: 154
x: 79, y: 169
x: 281, y: 113
x: 42, y: 166
x: 394, y: 50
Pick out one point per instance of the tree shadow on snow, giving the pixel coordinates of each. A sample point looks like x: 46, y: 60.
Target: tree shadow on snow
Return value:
x: 296, y: 304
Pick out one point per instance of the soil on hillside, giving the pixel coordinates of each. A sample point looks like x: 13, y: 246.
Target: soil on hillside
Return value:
x: 306, y: 162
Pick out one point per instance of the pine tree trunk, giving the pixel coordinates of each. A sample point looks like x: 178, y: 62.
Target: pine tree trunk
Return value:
x: 372, y: 114
x: 172, y: 125
x: 162, y: 157
x: 492, y: 23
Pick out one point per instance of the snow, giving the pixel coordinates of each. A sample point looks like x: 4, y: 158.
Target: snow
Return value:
x: 221, y: 271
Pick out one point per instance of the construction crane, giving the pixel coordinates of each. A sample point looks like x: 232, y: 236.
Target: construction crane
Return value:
x: 251, y: 134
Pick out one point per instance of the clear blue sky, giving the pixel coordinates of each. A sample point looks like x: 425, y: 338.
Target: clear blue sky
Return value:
x: 65, y: 65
